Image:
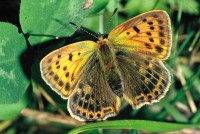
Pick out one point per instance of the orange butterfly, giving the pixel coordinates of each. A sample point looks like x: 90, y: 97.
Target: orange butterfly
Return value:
x: 93, y: 76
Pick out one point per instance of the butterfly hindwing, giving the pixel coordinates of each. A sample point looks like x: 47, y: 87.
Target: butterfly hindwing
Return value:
x: 145, y: 80
x: 148, y: 33
x: 92, y: 98
x: 62, y: 68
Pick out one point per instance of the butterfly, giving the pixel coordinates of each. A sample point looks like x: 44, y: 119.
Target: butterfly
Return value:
x: 128, y: 64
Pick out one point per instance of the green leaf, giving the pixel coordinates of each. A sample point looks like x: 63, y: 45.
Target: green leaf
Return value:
x: 12, y: 110
x: 151, y: 126
x: 97, y: 6
x: 46, y: 20
x: 12, y: 79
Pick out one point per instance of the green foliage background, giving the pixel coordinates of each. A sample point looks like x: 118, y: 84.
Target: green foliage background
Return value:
x: 31, y: 29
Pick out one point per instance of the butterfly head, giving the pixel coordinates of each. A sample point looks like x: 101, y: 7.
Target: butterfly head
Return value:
x: 101, y: 41
x: 100, y: 36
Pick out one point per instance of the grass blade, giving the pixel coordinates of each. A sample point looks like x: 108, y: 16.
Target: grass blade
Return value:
x: 151, y: 126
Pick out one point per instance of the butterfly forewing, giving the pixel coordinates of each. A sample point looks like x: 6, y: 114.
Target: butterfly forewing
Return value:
x: 148, y: 33
x: 62, y: 68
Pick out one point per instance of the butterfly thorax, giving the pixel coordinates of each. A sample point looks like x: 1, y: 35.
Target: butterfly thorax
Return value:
x: 105, y: 53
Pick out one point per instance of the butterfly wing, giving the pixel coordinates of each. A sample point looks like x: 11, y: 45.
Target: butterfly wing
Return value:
x: 148, y: 33
x: 139, y: 45
x: 92, y: 98
x: 145, y: 80
x: 62, y: 68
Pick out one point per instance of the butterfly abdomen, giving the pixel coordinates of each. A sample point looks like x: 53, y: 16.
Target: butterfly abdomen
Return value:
x: 115, y: 82
x: 112, y: 74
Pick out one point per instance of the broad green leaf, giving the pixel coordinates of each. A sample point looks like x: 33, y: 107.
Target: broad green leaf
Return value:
x: 12, y: 110
x: 46, y: 20
x: 98, y: 5
x: 151, y: 126
x: 13, y: 81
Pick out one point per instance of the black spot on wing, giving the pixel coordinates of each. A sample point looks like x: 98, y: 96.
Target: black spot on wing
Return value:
x: 148, y: 46
x: 144, y: 20
x: 160, y: 21
x: 162, y: 41
x: 156, y: 92
x: 90, y: 116
x: 80, y: 103
x: 70, y: 56
x: 51, y: 73
x: 151, y: 40
x: 150, y: 86
x: 161, y: 34
x: 141, y: 99
x: 84, y: 114
x: 150, y: 97
x: 49, y: 60
x: 152, y: 28
x: 136, y: 29
x: 91, y: 107
x: 67, y: 74
x: 56, y: 77
x: 64, y: 68
x: 148, y: 33
x: 58, y: 67
x: 75, y: 98
x: 57, y: 62
x: 161, y: 27
x: 159, y: 49
x: 67, y: 86
x: 154, y: 81
x: 60, y: 83
x: 150, y: 23
x: 148, y: 75
x: 99, y: 115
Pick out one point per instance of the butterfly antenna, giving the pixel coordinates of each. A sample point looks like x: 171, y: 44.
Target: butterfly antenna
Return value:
x: 80, y: 28
x: 110, y: 20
